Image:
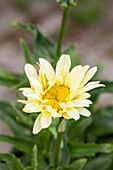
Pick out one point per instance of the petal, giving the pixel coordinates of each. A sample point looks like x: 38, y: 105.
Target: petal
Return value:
x: 83, y: 96
x: 83, y: 112
x: 31, y: 71
x: 73, y: 113
x: 74, y: 72
x: 23, y: 101
x: 63, y: 66
x: 48, y: 69
x: 90, y: 86
x: 81, y: 103
x: 36, y: 85
x: 66, y: 116
x: 33, y: 107
x: 37, y: 125
x: 46, y: 119
x: 88, y: 76
x: 42, y: 77
x: 27, y: 111
x: 78, y: 78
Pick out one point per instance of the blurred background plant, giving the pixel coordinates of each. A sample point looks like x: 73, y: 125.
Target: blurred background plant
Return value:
x: 88, y: 143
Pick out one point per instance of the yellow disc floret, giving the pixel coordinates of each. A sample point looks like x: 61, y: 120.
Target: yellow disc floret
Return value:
x: 56, y: 95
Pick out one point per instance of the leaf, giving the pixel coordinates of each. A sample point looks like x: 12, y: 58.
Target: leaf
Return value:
x: 76, y: 165
x: 26, y: 51
x: 79, y: 150
x: 19, y: 143
x: 3, y: 166
x: 11, y: 80
x: 66, y: 3
x: 12, y: 162
x: 43, y: 46
x: 75, y: 58
x: 34, y: 162
x: 102, y: 122
x: 76, y: 129
x: 101, y: 162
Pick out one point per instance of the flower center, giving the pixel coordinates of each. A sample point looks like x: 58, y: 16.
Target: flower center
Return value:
x: 56, y: 95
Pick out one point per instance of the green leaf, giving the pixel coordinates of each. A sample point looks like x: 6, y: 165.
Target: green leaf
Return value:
x: 79, y: 128
x: 102, y: 122
x: 26, y: 51
x: 43, y: 46
x: 75, y: 58
x: 3, y: 166
x: 101, y: 162
x: 89, y: 149
x: 34, y: 162
x: 12, y: 162
x: 66, y: 3
x: 76, y: 165
x: 19, y: 143
x: 11, y: 80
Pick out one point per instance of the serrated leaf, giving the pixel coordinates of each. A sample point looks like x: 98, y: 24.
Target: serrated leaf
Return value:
x: 76, y: 129
x: 79, y: 150
x: 76, y: 165
x: 34, y: 162
x: 26, y: 51
x: 11, y: 80
x: 102, y: 122
x: 43, y: 46
x: 12, y: 162
x: 101, y: 162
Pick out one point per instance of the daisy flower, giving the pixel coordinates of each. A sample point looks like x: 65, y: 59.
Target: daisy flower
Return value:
x: 58, y: 94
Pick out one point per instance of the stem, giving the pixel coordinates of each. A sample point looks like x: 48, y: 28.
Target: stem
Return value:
x: 57, y: 146
x: 60, y: 38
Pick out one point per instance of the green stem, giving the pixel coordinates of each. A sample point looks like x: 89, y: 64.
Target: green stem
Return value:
x: 57, y: 147
x: 60, y: 38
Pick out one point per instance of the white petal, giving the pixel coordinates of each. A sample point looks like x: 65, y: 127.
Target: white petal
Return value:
x: 63, y: 66
x: 37, y: 125
x: 78, y: 78
x: 88, y: 76
x: 83, y: 96
x: 28, y: 91
x: 81, y: 103
x: 46, y: 119
x: 31, y: 71
x: 73, y: 113
x: 74, y: 72
x: 27, y: 111
x: 83, y: 112
x: 33, y: 107
x: 42, y: 77
x: 90, y: 86
x: 55, y: 114
x: 23, y: 101
x: 37, y: 86
x: 48, y: 69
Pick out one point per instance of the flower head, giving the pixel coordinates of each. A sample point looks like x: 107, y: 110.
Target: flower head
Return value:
x: 60, y: 94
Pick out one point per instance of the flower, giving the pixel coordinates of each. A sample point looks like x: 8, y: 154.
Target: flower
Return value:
x: 60, y: 94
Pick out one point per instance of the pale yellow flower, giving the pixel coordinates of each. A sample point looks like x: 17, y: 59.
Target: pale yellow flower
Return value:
x: 60, y: 94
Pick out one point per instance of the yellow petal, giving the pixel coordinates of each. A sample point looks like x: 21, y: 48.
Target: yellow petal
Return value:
x: 37, y: 125
x: 33, y: 107
x: 46, y: 119
x: 23, y: 101
x: 42, y: 77
x: 88, y: 76
x: 83, y: 112
x: 63, y: 66
x: 66, y: 116
x: 48, y: 69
